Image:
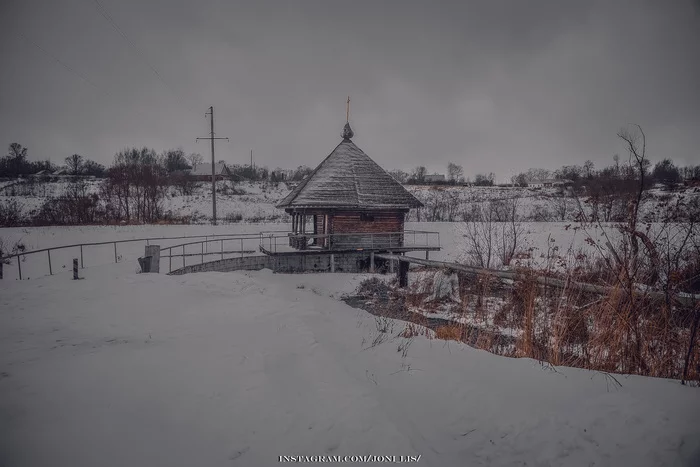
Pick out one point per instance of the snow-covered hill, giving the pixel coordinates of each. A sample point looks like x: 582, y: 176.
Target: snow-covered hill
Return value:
x: 255, y: 201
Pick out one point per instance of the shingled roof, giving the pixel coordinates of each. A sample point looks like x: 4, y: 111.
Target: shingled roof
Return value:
x: 348, y: 178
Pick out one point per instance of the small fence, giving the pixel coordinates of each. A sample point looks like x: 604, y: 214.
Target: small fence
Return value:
x: 274, y: 242
x: 50, y: 260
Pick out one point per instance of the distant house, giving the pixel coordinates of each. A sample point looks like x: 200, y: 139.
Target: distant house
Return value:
x: 550, y: 183
x: 202, y: 172
x: 42, y: 172
x: 434, y: 178
x: 61, y: 172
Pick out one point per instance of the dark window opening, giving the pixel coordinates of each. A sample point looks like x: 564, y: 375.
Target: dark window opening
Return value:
x: 366, y: 218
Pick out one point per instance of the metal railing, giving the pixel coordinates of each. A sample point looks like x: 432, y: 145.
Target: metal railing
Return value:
x: 80, y: 247
x: 273, y: 242
x: 205, y: 251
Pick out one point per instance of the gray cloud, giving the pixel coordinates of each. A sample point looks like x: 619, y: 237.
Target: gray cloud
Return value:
x: 497, y: 86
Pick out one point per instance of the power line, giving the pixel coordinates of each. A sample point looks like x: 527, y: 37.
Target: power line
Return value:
x: 71, y: 69
x: 103, y: 11
x: 64, y: 65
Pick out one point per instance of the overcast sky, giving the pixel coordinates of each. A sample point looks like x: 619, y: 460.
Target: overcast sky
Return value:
x: 493, y: 85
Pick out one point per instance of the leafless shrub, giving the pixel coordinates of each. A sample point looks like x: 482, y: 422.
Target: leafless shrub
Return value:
x: 494, y: 235
x: 10, y: 248
x: 10, y: 213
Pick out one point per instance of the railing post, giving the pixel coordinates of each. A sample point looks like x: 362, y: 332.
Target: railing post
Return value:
x: 82, y: 265
x: 170, y: 259
x: 1, y: 263
x: 115, y: 252
x: 183, y: 256
x: 241, y: 248
x: 75, y: 269
x: 202, y: 244
x: 50, y: 269
x: 19, y: 266
x: 222, y: 248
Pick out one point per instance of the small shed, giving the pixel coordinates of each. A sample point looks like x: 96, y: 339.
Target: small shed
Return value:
x: 348, y: 202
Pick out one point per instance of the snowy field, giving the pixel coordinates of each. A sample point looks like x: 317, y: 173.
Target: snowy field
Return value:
x: 220, y: 369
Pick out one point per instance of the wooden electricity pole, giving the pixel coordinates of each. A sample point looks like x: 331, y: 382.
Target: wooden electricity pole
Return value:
x: 213, y: 164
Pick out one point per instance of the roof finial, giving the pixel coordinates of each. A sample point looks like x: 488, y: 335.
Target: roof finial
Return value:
x: 347, y: 132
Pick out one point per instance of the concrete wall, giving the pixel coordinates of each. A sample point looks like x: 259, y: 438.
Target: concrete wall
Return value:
x: 347, y: 262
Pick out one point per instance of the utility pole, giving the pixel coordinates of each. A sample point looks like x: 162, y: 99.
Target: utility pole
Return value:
x: 213, y: 163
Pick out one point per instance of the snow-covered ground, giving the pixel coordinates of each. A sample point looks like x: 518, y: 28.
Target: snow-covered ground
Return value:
x: 240, y: 368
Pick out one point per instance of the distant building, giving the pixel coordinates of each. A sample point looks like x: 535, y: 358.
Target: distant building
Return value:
x: 434, y: 178
x: 202, y: 172
x: 550, y: 183
x: 61, y: 172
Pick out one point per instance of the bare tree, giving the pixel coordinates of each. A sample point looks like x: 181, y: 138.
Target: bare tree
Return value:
x: 419, y: 174
x: 454, y: 172
x: 588, y: 167
x: 75, y: 164
x: 195, y: 159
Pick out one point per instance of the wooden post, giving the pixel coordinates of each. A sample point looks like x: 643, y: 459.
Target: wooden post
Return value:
x: 403, y: 273
x: 427, y: 254
x: 391, y: 265
x: 82, y: 265
x: 202, y: 244
x: 19, y: 267
x: 50, y: 270
x: 154, y: 252
x: 332, y: 262
x: 183, y: 256
x: 170, y: 259
x: 222, y: 247
x: 115, y: 252
x: 1, y: 263
x: 241, y: 248
x: 371, y: 262
x: 75, y: 269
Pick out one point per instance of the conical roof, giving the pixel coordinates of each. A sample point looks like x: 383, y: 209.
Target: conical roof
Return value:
x: 348, y: 178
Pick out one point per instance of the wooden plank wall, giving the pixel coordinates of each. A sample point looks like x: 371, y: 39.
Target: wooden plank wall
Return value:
x: 384, y: 222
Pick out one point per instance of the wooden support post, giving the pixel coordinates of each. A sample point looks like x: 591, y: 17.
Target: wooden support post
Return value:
x: 19, y: 267
x: 241, y: 248
x: 371, y: 262
x: 170, y: 259
x: 1, y: 263
x: 50, y: 269
x: 222, y: 246
x: 115, y: 252
x: 403, y: 273
x: 427, y: 254
x: 154, y: 252
x: 202, y: 260
x: 183, y: 256
x: 75, y: 269
x: 332, y: 263
x: 82, y: 265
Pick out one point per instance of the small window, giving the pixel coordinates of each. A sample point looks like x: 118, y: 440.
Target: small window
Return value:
x: 366, y: 218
